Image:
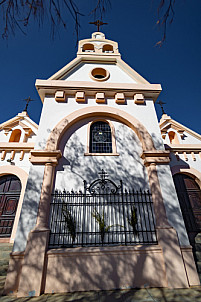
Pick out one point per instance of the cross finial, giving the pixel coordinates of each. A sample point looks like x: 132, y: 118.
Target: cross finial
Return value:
x: 98, y: 23
x: 161, y: 104
x: 28, y: 100
x: 102, y: 174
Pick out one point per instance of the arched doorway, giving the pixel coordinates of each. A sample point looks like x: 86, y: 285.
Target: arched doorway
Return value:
x: 10, y: 189
x: 189, y: 195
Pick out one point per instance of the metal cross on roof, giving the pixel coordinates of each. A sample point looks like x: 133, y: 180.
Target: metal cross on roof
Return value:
x: 98, y: 23
x: 161, y: 104
x: 28, y: 100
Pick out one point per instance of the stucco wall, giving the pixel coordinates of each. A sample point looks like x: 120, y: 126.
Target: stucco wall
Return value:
x: 29, y: 211
x: 81, y: 73
x: 171, y: 202
x: 74, y: 166
x: 181, y: 161
x: 53, y: 112
x: 187, y: 138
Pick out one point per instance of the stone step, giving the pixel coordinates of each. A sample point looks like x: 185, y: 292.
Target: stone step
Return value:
x: 6, y: 246
x: 4, y: 262
x: 198, y: 238
x: 198, y: 247
x: 2, y: 282
x: 3, y: 270
x: 4, y: 255
x: 198, y: 255
x: 199, y: 266
x: 5, y: 250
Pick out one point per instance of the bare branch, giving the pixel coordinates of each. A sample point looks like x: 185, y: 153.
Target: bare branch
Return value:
x: 165, y: 17
x: 17, y: 14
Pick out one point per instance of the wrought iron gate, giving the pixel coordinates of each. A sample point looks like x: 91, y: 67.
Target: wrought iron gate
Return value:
x: 104, y: 214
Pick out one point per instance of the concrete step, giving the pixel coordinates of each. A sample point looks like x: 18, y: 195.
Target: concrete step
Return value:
x: 2, y: 282
x: 199, y: 266
x: 6, y: 246
x: 5, y: 250
x: 198, y: 247
x: 198, y: 255
x: 4, y: 262
x: 3, y: 270
x: 198, y: 238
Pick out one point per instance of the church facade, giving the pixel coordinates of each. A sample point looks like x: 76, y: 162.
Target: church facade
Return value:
x: 100, y: 209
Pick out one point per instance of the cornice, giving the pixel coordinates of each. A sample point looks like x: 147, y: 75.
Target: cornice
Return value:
x: 157, y: 157
x: 16, y: 146
x: 42, y: 157
x: 184, y: 147
x: 49, y: 87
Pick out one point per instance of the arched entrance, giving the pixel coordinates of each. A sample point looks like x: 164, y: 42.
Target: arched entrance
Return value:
x: 189, y: 195
x: 10, y: 188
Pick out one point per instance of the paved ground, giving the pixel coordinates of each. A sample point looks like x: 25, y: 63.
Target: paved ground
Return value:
x: 132, y: 295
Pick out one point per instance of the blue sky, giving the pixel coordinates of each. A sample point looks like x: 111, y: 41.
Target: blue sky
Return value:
x: 132, y: 23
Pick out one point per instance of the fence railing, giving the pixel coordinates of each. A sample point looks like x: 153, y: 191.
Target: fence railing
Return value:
x: 96, y: 218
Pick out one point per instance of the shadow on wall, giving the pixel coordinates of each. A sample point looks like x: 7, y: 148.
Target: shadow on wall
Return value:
x: 172, y: 205
x: 74, y: 166
x: 29, y: 210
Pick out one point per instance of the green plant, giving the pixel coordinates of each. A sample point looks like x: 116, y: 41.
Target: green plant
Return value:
x: 103, y: 227
x: 70, y: 223
x: 132, y: 220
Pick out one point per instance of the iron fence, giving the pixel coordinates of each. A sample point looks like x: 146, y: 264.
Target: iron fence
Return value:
x: 104, y: 214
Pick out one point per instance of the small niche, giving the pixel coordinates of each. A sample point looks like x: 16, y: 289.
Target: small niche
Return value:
x: 108, y: 48
x: 88, y: 48
x: 15, y: 136
x: 173, y: 137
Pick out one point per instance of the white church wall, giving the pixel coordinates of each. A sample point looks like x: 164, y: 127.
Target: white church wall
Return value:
x: 190, y: 139
x: 3, y: 137
x: 23, y: 164
x: 186, y: 138
x: 74, y: 167
x: 82, y: 73
x: 53, y: 112
x: 29, y: 210
x: 171, y: 203
x: 186, y: 160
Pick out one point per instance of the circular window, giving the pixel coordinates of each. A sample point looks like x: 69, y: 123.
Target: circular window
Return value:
x: 99, y: 74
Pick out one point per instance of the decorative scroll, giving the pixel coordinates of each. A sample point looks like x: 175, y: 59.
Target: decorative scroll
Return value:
x: 103, y: 185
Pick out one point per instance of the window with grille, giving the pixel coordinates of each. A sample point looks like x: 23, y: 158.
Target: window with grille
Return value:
x: 100, y: 138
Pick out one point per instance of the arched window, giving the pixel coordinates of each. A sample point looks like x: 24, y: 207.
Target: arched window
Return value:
x: 10, y: 188
x: 108, y: 48
x: 88, y: 48
x: 100, y: 138
x: 15, y: 136
x: 173, y: 137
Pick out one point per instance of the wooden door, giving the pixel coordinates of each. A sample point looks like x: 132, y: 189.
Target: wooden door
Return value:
x: 10, y: 188
x: 189, y: 195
